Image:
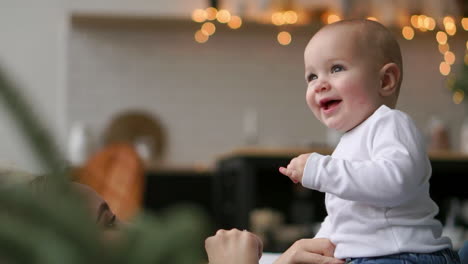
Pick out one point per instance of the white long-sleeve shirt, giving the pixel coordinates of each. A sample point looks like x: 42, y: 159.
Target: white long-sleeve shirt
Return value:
x: 377, y: 190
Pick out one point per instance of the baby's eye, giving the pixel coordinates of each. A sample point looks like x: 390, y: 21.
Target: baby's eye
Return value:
x: 337, y: 68
x: 311, y: 77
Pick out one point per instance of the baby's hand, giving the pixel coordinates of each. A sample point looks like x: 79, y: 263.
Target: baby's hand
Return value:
x: 295, y: 168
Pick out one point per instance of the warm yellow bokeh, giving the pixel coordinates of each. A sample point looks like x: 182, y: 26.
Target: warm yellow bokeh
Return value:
x: 211, y: 13
x: 290, y: 17
x: 284, y: 38
x: 444, y: 68
x: 372, y: 18
x: 429, y: 23
x: 208, y: 28
x: 449, y: 57
x: 464, y: 23
x: 200, y: 37
x: 407, y: 32
x: 223, y: 16
x: 235, y: 22
x: 277, y: 18
x: 414, y: 21
x: 443, y: 48
x: 441, y: 37
x: 199, y: 15
x: 333, y: 18
x: 458, y: 96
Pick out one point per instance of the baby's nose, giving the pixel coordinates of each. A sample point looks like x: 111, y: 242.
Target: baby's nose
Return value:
x: 322, y: 86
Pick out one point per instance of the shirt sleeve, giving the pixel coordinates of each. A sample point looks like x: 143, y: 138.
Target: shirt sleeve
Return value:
x: 398, y: 169
x: 325, y: 229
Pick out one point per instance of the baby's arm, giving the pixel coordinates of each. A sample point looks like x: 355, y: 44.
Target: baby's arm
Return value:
x: 398, y: 168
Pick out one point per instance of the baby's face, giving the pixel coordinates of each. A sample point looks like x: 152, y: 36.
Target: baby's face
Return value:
x: 342, y: 81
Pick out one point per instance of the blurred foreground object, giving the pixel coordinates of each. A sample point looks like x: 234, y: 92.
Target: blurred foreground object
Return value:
x: 54, y: 228
x: 117, y: 174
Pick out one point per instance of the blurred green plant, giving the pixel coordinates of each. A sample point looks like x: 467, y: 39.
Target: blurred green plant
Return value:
x: 458, y: 85
x: 54, y: 228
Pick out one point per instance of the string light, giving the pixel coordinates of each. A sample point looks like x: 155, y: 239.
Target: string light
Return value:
x: 443, y: 48
x: 441, y: 37
x: 333, y: 18
x: 407, y: 32
x: 284, y: 38
x: 372, y: 18
x: 223, y: 16
x: 464, y: 23
x: 429, y: 23
x: 199, y: 15
x: 449, y: 57
x: 211, y: 13
x: 444, y: 68
x: 277, y: 18
x: 235, y: 22
x: 414, y: 21
x: 290, y: 17
x: 458, y: 96
x: 449, y: 25
x: 208, y: 28
x: 421, y: 21
x: 200, y: 37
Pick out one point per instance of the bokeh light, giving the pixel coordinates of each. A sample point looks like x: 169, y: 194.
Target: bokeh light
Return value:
x: 277, y: 18
x: 208, y: 28
x: 464, y: 23
x: 223, y: 16
x: 290, y: 17
x: 444, y: 68
x: 441, y: 37
x: 414, y: 21
x: 235, y: 22
x: 199, y: 15
x: 449, y: 57
x: 211, y: 13
x: 458, y: 96
x: 443, y: 48
x: 200, y: 37
x: 333, y: 18
x: 284, y: 38
x: 407, y: 32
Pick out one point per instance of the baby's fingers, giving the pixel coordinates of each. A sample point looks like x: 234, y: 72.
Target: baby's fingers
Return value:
x: 283, y: 171
x: 292, y: 174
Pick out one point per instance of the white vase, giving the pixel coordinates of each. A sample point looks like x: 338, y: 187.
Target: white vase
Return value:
x: 79, y: 144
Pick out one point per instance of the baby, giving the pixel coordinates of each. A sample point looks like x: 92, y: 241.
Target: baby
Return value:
x: 377, y: 179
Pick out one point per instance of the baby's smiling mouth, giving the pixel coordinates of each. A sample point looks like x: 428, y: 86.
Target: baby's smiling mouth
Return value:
x: 329, y: 103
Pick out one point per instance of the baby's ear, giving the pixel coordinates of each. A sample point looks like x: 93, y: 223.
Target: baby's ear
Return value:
x: 389, y: 79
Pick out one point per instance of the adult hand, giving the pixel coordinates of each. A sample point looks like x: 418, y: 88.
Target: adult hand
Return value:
x: 295, y: 168
x: 233, y: 247
x: 310, y: 251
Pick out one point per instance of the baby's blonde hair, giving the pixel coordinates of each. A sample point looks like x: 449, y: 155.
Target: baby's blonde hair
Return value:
x: 379, y: 41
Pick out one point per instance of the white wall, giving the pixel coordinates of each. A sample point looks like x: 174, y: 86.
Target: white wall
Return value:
x: 201, y: 91
x: 33, y: 37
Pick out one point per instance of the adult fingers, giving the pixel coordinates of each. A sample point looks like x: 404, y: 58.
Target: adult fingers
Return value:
x: 312, y: 258
x: 322, y: 246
